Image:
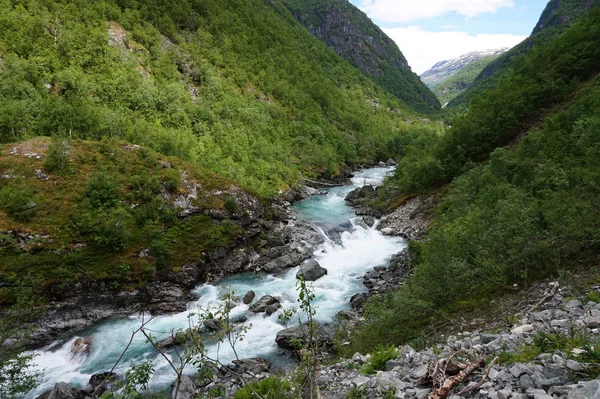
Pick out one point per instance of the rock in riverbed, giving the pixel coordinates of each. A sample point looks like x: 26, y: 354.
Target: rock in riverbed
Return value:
x: 311, y: 271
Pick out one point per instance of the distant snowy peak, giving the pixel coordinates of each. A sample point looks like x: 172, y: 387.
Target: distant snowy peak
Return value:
x: 444, y: 69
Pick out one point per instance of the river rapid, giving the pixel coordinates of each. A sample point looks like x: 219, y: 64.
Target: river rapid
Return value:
x: 347, y: 255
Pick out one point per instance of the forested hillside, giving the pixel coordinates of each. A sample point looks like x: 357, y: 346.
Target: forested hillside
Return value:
x: 514, y: 214
x: 237, y: 86
x: 352, y: 35
x: 558, y: 16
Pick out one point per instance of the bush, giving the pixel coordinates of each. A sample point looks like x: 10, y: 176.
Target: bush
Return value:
x: 379, y: 358
x: 269, y: 388
x: 106, y: 228
x: 57, y: 158
x: 101, y: 191
x: 18, y: 201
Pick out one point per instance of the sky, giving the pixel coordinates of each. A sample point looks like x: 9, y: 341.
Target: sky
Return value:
x: 428, y: 31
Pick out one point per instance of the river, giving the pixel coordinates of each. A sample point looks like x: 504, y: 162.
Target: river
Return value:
x: 347, y: 258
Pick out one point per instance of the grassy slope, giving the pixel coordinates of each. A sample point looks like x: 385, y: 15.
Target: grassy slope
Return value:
x: 73, y: 236
x: 236, y: 86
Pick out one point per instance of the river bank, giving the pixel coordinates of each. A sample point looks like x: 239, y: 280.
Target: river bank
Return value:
x: 336, y: 238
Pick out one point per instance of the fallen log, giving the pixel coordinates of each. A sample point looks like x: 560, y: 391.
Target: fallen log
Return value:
x: 450, y: 383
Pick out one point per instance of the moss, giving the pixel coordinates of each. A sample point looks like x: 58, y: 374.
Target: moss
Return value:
x: 112, y: 188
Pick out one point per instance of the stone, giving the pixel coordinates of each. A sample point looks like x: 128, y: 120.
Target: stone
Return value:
x: 387, y: 231
x: 525, y: 382
x: 518, y: 369
x: 524, y: 329
x: 101, y: 383
x: 591, y: 321
x: 212, y: 324
x: 288, y: 337
x: 574, y: 365
x: 62, y: 390
x: 504, y: 393
x: 360, y: 194
x: 311, y: 271
x: 249, y: 297
x: 269, y: 310
x: 360, y: 380
x: 585, y: 390
x: 369, y: 220
x: 358, y: 300
x: 82, y: 346
x: 186, y: 389
x: 253, y: 365
x: 573, y: 304
x: 262, y: 304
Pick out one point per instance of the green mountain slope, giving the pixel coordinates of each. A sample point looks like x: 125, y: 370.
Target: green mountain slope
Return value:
x: 514, y: 214
x: 352, y: 35
x: 236, y: 86
x: 455, y: 85
x: 558, y: 16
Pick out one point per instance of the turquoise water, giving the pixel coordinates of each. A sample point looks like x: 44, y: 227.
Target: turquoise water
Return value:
x: 356, y: 251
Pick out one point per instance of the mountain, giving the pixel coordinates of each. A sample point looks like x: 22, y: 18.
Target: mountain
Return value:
x: 558, y: 16
x: 516, y: 176
x: 353, y: 36
x: 239, y: 87
x: 447, y: 68
x: 450, y: 78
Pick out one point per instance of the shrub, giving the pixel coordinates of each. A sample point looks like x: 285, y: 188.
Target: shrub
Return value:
x: 379, y: 358
x: 269, y: 388
x: 18, y: 201
x: 57, y: 158
x: 101, y: 191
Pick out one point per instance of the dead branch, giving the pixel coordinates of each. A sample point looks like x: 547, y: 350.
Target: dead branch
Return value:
x: 444, y: 390
x: 544, y: 299
x: 483, y: 380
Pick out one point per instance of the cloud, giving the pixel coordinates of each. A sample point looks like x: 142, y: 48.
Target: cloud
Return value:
x: 424, y: 48
x: 405, y: 11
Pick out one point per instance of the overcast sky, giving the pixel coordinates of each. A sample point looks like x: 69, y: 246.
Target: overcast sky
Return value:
x: 428, y: 31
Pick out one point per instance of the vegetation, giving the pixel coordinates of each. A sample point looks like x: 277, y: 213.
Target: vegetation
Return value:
x: 452, y: 87
x: 366, y: 46
x: 111, y: 218
x: 527, y: 212
x: 269, y: 388
x: 238, y: 87
x: 379, y: 358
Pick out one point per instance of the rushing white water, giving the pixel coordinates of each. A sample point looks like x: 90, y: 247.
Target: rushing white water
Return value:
x: 355, y: 252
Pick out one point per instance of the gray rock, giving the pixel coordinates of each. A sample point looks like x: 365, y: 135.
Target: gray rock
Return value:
x: 269, y: 310
x: 592, y: 322
x: 525, y: 382
x: 186, y: 389
x: 518, y: 369
x: 249, y: 297
x: 358, y: 300
x: 253, y: 365
x: 288, y: 337
x: 368, y: 220
x: 101, y: 383
x: 573, y: 304
x: 311, y: 271
x: 62, y: 390
x: 585, y: 390
x: 360, y: 380
x: 262, y: 304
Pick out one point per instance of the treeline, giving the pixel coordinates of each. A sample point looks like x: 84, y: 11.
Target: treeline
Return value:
x: 528, y: 212
x: 236, y: 86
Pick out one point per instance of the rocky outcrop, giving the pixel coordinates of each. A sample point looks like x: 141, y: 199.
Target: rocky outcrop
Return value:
x: 553, y: 374
x: 253, y: 365
x: 311, y: 271
x: 409, y: 220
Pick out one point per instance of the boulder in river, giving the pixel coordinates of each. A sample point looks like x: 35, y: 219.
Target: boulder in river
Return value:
x: 62, y: 390
x: 311, y: 271
x: 262, y: 304
x: 101, y: 383
x: 368, y: 220
x: 288, y: 337
x: 249, y: 297
x: 82, y: 346
x: 269, y: 310
x: 360, y: 195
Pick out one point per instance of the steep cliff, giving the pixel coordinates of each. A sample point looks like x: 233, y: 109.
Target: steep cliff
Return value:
x: 353, y: 36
